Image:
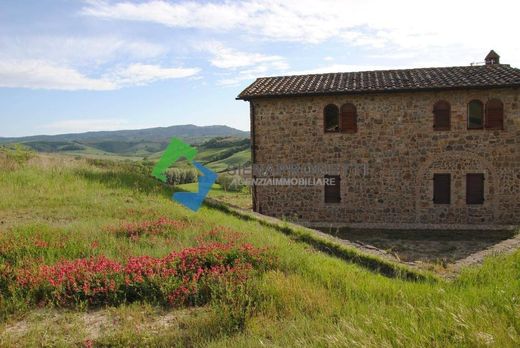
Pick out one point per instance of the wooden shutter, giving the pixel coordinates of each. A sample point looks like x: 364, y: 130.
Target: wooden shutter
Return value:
x: 475, y: 188
x: 442, y: 115
x: 348, y: 118
x: 332, y: 189
x: 441, y: 188
x: 494, y: 114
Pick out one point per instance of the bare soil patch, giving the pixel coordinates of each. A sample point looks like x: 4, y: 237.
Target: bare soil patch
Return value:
x: 424, y: 246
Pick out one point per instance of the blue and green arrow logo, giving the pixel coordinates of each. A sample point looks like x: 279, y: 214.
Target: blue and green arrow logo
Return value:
x: 176, y: 150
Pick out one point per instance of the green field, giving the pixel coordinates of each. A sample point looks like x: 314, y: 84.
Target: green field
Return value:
x: 59, y: 208
x: 220, y: 148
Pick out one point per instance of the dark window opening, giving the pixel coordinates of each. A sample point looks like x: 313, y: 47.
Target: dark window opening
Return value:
x: 331, y: 118
x: 475, y: 188
x: 348, y: 118
x: 475, y: 115
x: 494, y: 114
x: 442, y: 115
x: 441, y: 188
x: 332, y: 189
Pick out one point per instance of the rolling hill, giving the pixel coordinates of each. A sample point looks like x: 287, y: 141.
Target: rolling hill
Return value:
x: 215, y: 144
x: 189, y: 133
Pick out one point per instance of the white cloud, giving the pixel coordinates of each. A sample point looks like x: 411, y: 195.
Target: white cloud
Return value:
x: 141, y: 74
x: 243, y: 65
x: 77, y: 51
x: 44, y: 75
x: 37, y: 74
x: 469, y: 26
x: 228, y: 58
x: 85, y: 125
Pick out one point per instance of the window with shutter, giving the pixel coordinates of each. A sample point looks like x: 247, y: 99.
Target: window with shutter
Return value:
x: 332, y: 189
x: 331, y: 118
x: 348, y: 118
x: 442, y: 115
x: 441, y: 188
x: 475, y: 188
x: 494, y: 114
x: 475, y: 115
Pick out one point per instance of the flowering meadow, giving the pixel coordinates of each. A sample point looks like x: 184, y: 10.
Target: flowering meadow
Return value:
x: 187, y: 277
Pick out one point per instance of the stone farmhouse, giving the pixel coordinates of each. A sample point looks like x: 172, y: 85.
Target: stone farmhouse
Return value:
x: 418, y: 148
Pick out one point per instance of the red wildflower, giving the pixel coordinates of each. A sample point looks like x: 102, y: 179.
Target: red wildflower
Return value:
x: 179, y: 278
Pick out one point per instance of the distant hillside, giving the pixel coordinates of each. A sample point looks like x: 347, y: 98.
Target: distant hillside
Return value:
x: 219, y: 147
x: 189, y: 133
x: 222, y: 154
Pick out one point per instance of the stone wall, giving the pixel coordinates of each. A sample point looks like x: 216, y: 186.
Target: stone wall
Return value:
x: 387, y: 167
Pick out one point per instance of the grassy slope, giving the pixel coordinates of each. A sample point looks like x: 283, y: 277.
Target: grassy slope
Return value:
x: 240, y: 199
x: 312, y: 299
x: 237, y: 159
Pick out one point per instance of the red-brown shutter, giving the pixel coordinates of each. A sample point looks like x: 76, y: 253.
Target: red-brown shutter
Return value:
x: 348, y: 118
x: 442, y: 115
x: 441, y: 188
x: 332, y: 189
x: 494, y: 114
x: 475, y: 188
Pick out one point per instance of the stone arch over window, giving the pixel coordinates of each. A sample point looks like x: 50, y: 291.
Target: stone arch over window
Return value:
x: 494, y: 114
x: 441, y: 115
x: 348, y: 118
x: 475, y: 114
x: 458, y: 164
x: 331, y: 119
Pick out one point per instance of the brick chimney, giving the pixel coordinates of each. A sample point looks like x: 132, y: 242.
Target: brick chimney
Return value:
x: 492, y: 58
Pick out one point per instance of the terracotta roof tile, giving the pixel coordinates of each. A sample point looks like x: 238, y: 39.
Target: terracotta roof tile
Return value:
x: 481, y: 76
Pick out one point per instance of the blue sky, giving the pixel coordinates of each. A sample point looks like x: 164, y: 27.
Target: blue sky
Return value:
x: 73, y: 66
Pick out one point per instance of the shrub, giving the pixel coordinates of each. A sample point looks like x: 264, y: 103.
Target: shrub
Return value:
x: 231, y: 183
x: 178, y: 176
x: 15, y: 154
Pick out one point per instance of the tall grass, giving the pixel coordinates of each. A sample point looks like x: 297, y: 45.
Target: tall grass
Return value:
x: 54, y: 209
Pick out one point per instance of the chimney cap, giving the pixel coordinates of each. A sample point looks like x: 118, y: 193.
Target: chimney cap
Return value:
x: 492, y: 58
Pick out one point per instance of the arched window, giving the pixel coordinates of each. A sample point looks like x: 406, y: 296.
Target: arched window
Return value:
x: 475, y: 115
x: 441, y: 115
x: 494, y: 114
x: 348, y: 118
x: 331, y: 118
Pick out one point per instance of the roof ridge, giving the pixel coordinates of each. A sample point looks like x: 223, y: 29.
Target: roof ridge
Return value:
x: 392, y: 70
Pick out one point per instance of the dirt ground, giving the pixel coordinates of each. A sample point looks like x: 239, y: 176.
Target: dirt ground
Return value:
x: 428, y: 246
